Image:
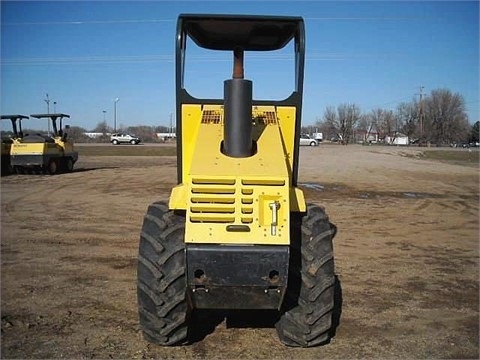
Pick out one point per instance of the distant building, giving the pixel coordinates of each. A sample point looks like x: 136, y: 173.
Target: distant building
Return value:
x: 369, y: 137
x: 166, y: 136
x: 397, y: 139
x: 94, y: 135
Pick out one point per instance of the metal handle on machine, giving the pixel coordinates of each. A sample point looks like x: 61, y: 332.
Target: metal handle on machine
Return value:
x: 274, y: 206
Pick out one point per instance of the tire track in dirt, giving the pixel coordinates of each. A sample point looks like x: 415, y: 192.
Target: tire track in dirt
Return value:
x: 37, y: 195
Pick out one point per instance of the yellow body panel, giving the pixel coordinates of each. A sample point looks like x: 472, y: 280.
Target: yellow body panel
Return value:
x: 237, y: 200
x: 286, y: 121
x: 192, y: 115
x: 34, y: 148
x: 67, y: 145
x: 58, y: 147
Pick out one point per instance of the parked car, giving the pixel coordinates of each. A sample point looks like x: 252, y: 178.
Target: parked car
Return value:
x: 116, y: 139
x: 307, y: 140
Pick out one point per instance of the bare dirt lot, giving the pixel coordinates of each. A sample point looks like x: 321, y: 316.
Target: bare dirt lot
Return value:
x: 407, y: 256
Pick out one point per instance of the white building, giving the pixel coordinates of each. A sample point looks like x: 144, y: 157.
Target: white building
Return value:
x: 397, y: 139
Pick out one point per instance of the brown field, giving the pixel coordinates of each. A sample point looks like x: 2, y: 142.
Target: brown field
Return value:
x: 407, y: 257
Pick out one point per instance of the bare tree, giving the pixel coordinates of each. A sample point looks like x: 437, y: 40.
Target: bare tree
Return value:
x: 407, y: 116
x: 446, y: 119
x: 363, y: 129
x: 474, y: 132
x: 77, y: 134
x: 322, y: 126
x: 343, y: 120
x: 102, y: 127
x: 384, y: 121
x: 146, y: 133
x: 330, y: 122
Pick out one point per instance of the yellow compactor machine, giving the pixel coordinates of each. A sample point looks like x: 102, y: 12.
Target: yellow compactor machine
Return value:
x: 7, y: 142
x: 237, y: 232
x: 45, y: 153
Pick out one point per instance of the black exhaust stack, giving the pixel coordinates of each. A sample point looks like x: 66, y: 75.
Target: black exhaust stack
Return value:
x: 237, y: 129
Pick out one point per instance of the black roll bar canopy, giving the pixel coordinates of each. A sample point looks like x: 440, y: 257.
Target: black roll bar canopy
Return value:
x: 54, y: 118
x: 245, y: 32
x: 249, y: 32
x: 14, y: 119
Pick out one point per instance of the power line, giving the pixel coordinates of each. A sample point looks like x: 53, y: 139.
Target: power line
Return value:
x: 87, y: 22
x: 170, y: 58
x: 147, y: 21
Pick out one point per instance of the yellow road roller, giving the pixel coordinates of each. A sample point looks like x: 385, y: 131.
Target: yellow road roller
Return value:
x: 40, y: 153
x: 237, y: 232
x: 7, y: 142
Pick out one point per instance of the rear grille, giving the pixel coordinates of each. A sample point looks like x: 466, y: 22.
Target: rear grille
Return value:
x: 212, y: 201
x: 211, y: 117
x: 258, y: 117
x: 264, y: 117
x: 217, y: 200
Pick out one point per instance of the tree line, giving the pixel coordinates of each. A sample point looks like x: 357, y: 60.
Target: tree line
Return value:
x: 439, y: 118
x: 144, y: 132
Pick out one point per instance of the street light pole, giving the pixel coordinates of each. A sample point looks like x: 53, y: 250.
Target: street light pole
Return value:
x: 47, y: 100
x: 115, y: 114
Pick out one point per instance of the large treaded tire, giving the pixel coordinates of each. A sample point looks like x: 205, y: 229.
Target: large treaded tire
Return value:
x: 309, y: 304
x: 161, y: 283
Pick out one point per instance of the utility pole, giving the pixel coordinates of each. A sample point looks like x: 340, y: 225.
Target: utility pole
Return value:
x: 171, y: 125
x: 421, y: 114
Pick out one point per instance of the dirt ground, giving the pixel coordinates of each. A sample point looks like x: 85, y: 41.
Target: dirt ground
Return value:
x: 406, y: 251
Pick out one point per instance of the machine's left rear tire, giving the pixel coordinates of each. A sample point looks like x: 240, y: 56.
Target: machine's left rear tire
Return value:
x: 52, y: 167
x: 307, y: 318
x: 163, y: 308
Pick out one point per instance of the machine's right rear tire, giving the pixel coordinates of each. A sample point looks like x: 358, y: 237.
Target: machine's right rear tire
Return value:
x: 307, y: 319
x: 69, y: 164
x: 161, y: 282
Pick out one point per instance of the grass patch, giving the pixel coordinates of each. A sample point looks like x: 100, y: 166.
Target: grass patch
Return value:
x: 459, y: 157
x: 126, y: 150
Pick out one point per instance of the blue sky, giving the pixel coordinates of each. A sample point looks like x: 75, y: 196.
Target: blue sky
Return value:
x: 374, y: 54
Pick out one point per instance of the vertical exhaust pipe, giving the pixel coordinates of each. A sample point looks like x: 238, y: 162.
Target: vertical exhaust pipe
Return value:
x: 237, y: 128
